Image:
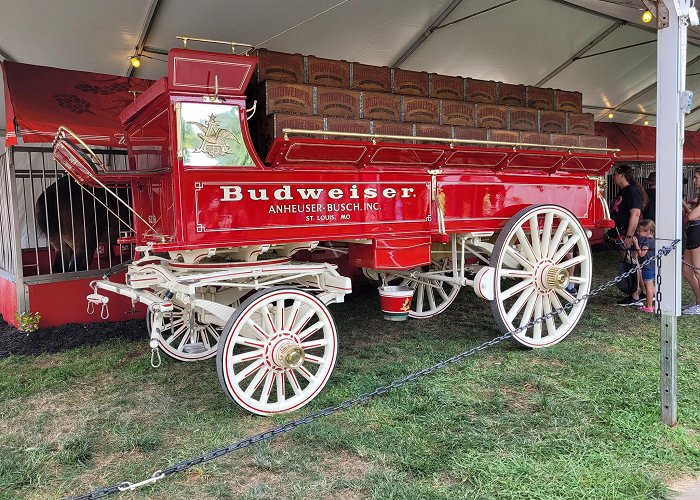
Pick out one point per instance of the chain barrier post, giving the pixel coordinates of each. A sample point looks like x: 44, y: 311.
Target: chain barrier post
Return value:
x: 673, y: 103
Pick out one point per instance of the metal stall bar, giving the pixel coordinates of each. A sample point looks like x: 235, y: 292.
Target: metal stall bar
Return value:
x: 33, y: 214
x: 5, y: 242
x: 63, y: 257
x: 14, y: 235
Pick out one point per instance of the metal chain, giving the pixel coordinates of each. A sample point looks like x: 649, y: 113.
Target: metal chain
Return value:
x: 658, y: 289
x: 696, y: 268
x: 348, y: 403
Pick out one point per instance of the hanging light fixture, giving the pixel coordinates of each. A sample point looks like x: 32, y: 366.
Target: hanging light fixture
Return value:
x: 646, y: 122
x: 611, y: 115
x: 135, y: 61
x: 647, y: 16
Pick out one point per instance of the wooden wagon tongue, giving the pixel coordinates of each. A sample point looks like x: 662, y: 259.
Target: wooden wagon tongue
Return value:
x: 238, y: 256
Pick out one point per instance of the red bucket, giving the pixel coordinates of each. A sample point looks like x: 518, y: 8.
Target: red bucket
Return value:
x: 395, y: 301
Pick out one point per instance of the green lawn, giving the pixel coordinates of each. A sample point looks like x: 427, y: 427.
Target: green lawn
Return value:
x: 577, y: 420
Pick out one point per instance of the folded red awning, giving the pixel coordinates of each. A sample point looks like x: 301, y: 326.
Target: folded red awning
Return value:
x: 39, y: 99
x: 638, y: 143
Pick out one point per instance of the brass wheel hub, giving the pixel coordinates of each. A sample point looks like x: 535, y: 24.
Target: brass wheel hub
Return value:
x: 289, y: 355
x: 557, y: 278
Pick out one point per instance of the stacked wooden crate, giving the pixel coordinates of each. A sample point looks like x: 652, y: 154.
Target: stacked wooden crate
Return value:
x: 312, y: 93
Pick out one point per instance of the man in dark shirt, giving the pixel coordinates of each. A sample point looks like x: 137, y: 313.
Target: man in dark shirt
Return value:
x: 626, y: 211
x: 628, y: 205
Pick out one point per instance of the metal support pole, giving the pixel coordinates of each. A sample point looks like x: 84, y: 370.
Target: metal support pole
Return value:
x: 670, y: 73
x: 669, y: 347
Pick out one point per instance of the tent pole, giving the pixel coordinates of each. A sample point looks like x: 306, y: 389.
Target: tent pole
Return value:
x: 424, y: 36
x: 670, y: 71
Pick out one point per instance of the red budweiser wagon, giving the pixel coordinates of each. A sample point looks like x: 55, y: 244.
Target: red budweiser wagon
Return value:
x: 219, y: 230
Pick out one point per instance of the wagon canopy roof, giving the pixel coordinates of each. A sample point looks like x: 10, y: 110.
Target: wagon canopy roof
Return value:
x: 39, y: 99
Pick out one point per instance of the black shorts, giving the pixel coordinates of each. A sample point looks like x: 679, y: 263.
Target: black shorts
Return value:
x: 692, y: 235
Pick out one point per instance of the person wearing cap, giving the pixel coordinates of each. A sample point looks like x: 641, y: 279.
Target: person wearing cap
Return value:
x: 626, y: 211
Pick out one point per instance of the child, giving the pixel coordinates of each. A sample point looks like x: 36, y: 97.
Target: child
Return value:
x: 643, y: 244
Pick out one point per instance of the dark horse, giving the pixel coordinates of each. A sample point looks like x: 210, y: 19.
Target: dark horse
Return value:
x: 74, y: 222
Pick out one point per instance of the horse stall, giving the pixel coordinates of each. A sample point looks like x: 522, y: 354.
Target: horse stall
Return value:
x: 57, y: 236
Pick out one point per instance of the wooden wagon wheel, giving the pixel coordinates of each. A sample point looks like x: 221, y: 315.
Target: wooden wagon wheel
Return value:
x: 540, y: 251
x: 432, y: 296
x: 177, y: 340
x: 277, y: 351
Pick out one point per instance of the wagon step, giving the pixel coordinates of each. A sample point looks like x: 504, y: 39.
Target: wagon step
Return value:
x: 194, y: 348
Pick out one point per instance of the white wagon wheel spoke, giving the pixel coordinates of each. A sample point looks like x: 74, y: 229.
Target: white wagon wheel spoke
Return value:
x: 540, y: 252
x: 247, y: 356
x: 286, y: 369
x: 556, y: 304
x: 546, y: 234
x: 519, y: 303
x: 175, y: 334
x: 293, y: 381
x: 572, y: 262
x: 535, y: 237
x: 515, y: 289
x: 529, y: 309
x: 556, y: 239
x: 516, y: 273
x: 310, y: 331
x: 255, y: 383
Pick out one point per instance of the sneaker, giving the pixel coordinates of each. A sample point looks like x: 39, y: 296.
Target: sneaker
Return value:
x: 695, y: 309
x: 646, y: 309
x: 630, y: 301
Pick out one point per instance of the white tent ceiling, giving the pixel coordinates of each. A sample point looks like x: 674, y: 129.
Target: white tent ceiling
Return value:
x: 600, y: 48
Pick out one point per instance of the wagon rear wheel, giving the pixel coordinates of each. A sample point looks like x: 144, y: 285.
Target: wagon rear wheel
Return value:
x: 540, y: 252
x: 277, y: 351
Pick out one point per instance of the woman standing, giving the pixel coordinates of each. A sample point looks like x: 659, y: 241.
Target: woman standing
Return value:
x: 691, y: 255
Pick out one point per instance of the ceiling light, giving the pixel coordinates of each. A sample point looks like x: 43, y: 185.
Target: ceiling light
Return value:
x: 135, y: 61
x: 647, y: 16
x: 611, y: 115
x: 646, y: 122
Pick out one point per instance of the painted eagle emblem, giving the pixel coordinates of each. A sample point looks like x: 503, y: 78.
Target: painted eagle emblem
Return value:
x: 214, y: 138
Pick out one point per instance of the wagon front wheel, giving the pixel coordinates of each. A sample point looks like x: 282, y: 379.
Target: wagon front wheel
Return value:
x: 277, y: 351
x: 542, y: 262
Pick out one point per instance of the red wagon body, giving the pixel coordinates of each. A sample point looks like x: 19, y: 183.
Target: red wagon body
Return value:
x: 214, y: 223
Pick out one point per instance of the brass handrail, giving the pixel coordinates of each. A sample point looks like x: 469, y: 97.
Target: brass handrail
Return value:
x: 374, y: 137
x: 61, y: 133
x: 233, y: 45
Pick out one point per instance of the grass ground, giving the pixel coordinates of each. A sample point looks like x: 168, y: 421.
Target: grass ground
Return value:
x: 577, y: 420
